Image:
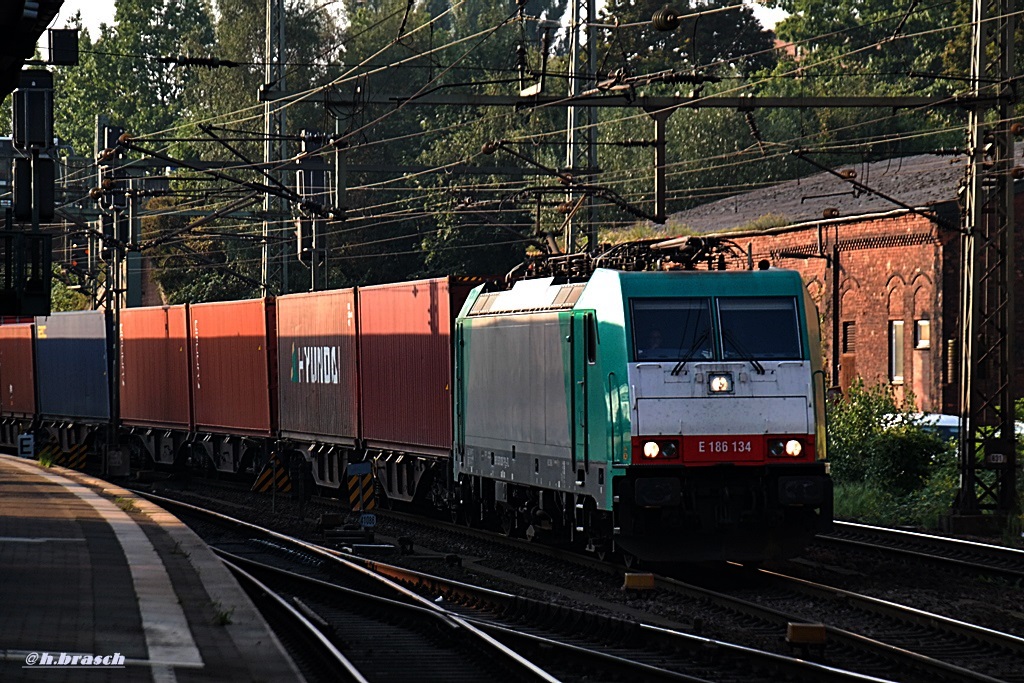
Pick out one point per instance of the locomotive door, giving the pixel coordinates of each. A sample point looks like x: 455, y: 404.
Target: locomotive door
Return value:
x: 584, y: 358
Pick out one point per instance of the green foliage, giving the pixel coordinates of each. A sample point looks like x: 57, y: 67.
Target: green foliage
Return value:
x: 61, y: 297
x: 874, y: 440
x: 885, y: 466
x: 121, y: 75
x: 717, y: 43
x: 194, y: 268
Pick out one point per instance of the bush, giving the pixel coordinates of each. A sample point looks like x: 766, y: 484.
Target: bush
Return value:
x: 885, y: 467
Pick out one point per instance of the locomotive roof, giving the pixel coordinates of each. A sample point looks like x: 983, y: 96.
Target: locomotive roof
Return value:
x: 547, y: 294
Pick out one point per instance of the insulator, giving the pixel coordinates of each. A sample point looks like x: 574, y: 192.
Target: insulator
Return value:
x: 830, y: 213
x: 1017, y: 129
x: 489, y: 148
x: 848, y: 174
x: 665, y: 19
x: 1017, y: 172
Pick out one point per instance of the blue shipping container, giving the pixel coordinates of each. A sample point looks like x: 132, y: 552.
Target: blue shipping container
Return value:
x: 72, y: 366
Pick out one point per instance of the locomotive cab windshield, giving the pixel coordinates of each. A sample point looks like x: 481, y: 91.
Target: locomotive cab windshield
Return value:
x: 749, y: 329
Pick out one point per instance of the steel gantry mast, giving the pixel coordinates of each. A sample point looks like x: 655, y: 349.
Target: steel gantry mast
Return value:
x: 274, y: 258
x: 581, y: 147
x: 987, y: 443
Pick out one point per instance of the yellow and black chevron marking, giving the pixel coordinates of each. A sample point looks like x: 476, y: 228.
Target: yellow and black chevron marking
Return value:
x: 50, y: 452
x: 266, y: 480
x: 361, y: 496
x: 74, y: 457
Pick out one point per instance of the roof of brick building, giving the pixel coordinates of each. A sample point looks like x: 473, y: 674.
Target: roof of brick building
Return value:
x: 916, y: 181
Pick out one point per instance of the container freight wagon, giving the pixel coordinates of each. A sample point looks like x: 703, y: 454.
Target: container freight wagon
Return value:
x: 405, y: 393
x: 17, y: 382
x: 72, y: 360
x: 317, y: 379
x: 234, y: 383
x: 155, y: 399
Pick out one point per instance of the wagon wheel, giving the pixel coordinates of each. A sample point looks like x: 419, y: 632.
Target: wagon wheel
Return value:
x: 507, y: 520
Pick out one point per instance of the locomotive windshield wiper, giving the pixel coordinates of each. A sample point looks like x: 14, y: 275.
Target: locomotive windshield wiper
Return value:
x: 689, y: 354
x: 741, y: 353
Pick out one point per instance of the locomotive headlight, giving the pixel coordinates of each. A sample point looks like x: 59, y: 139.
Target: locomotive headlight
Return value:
x: 720, y: 383
x: 779, y: 448
x: 662, y: 449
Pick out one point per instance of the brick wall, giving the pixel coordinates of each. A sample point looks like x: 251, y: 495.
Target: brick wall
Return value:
x: 891, y: 269
x: 894, y: 267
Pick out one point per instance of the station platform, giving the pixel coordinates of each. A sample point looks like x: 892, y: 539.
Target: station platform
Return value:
x: 88, y: 569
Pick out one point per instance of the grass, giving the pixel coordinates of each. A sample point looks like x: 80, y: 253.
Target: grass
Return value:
x: 222, y: 617
x: 126, y: 504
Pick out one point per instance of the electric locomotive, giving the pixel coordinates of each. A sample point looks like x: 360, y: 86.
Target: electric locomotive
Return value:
x: 672, y: 416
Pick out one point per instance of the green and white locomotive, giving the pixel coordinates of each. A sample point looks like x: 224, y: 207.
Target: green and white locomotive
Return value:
x: 671, y: 416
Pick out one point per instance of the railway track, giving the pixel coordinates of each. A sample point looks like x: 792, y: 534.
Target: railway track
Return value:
x: 568, y: 642
x: 876, y: 637
x: 888, y: 640
x: 317, y: 657
x: 980, y: 558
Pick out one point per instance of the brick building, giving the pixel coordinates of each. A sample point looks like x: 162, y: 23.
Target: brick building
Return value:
x: 900, y: 270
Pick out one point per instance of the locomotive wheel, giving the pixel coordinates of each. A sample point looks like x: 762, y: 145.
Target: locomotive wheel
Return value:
x: 630, y: 560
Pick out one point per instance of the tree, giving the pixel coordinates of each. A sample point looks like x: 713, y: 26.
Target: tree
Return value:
x: 193, y: 267
x: 123, y: 74
x: 722, y: 42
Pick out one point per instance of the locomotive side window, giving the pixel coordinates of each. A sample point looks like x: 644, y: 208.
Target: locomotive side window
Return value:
x: 671, y: 329
x: 765, y: 328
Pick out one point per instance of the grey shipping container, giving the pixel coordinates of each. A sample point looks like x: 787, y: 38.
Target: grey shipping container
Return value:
x: 317, y: 386
x: 72, y: 365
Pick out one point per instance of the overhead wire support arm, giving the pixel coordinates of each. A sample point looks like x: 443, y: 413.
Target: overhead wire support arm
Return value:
x: 619, y: 99
x: 249, y: 162
x: 282, y: 191
x: 199, y: 222
x: 568, y: 180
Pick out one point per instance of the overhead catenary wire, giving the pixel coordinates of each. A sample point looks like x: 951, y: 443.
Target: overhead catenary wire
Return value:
x: 554, y: 132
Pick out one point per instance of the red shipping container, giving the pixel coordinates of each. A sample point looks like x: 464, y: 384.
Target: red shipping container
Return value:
x: 17, y: 365
x: 234, y: 371
x: 317, y: 373
x: 405, y: 360
x: 155, y: 386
